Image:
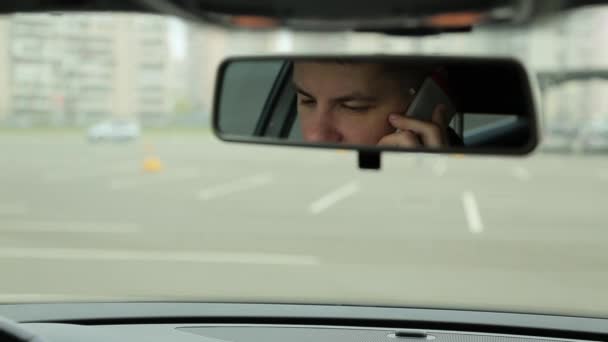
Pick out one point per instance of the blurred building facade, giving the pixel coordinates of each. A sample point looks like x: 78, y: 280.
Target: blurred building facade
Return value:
x: 205, y: 48
x: 80, y: 69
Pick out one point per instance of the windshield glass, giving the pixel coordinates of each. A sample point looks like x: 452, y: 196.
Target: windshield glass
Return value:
x: 113, y: 187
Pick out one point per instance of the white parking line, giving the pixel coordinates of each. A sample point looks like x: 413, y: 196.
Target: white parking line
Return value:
x: 151, y: 179
x: 235, y: 186
x: 439, y: 166
x: 157, y: 256
x: 471, y: 211
x: 32, y: 226
x: 333, y: 197
x: 521, y: 173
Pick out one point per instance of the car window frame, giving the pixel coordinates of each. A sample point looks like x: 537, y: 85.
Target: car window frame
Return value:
x: 267, y: 121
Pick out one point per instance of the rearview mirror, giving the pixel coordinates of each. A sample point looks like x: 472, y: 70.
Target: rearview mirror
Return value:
x: 373, y: 104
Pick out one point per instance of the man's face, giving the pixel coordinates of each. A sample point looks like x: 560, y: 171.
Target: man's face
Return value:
x: 347, y: 103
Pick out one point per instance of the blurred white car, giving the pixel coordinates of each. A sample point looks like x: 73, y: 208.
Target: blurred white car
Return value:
x: 561, y: 137
x: 114, y: 130
x: 594, y: 137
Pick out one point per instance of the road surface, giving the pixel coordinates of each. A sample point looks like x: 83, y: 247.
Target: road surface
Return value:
x: 226, y: 222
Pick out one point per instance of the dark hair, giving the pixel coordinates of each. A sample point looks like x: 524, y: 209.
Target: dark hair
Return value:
x: 410, y: 77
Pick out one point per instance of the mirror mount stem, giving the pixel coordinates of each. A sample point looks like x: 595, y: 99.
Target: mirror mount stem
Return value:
x: 369, y: 160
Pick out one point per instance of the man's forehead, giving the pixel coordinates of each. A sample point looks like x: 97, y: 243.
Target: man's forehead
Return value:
x: 335, y: 78
x: 361, y: 68
x: 354, y: 72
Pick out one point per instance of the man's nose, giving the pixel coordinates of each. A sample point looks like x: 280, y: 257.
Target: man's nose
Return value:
x: 324, y: 128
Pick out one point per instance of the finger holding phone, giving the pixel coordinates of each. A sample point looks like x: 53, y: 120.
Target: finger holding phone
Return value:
x: 426, y: 121
x: 411, y: 133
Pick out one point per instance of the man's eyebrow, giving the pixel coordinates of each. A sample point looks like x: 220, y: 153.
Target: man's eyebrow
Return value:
x: 302, y: 91
x: 355, y: 96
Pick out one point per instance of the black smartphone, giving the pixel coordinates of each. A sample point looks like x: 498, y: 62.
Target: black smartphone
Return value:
x: 427, y: 98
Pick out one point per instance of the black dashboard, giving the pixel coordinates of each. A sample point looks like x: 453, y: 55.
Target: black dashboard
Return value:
x: 260, y: 333
x: 213, y: 322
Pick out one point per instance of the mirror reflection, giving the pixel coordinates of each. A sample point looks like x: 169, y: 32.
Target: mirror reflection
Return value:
x: 392, y: 103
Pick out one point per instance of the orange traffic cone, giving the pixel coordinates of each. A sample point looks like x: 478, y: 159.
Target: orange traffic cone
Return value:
x: 152, y: 163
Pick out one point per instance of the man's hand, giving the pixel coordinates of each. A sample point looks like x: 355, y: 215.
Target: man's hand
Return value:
x: 412, y: 133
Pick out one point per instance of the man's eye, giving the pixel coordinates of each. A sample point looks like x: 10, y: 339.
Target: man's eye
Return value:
x: 356, y: 108
x: 307, y: 102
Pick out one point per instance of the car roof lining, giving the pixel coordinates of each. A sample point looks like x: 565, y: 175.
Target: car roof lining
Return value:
x: 337, y: 9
